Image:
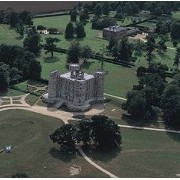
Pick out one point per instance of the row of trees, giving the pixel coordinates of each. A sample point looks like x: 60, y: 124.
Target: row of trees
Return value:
x: 153, y: 95
x: 98, y: 132
x: 14, y: 18
x: 100, y: 23
x: 16, y: 63
x: 78, y: 29
x: 77, y: 52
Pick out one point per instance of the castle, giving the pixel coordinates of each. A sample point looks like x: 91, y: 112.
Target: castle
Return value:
x: 76, y: 90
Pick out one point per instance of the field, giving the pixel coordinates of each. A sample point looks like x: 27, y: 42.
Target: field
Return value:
x: 143, y: 155
x: 32, y: 148
x: 9, y: 36
x: 118, y: 79
x: 92, y: 38
x: 38, y: 7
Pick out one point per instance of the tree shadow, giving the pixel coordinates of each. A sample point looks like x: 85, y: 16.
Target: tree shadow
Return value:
x: 163, y: 55
x: 19, y: 37
x: 51, y: 59
x: 63, y: 155
x: 87, y: 64
x: 174, y: 136
x: 138, y: 122
x: 101, y: 155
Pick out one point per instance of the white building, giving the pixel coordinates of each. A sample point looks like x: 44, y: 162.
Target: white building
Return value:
x: 75, y: 89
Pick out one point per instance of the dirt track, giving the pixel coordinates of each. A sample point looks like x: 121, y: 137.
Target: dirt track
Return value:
x: 38, y: 6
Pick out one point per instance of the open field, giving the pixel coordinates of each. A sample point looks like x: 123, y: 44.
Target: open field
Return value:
x: 92, y: 38
x: 32, y: 147
x: 176, y: 15
x: 118, y: 79
x: 11, y: 92
x: 9, y: 36
x: 38, y: 7
x: 143, y: 155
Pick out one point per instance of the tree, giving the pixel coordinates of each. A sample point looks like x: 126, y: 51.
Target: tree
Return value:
x: 50, y: 46
x: 20, y: 175
x: 100, y: 132
x: 74, y: 52
x: 65, y: 137
x: 41, y: 27
x: 86, y: 53
x: 20, y: 28
x: 98, y: 10
x: 80, y: 30
x: 32, y: 42
x: 177, y: 57
x: 69, y: 32
x: 122, y: 51
x: 13, y: 19
x: 105, y: 133
x: 162, y: 46
x: 170, y: 104
x: 112, y: 43
x: 105, y: 8
x: 14, y: 75
x: 175, y: 29
x: 83, y: 16
x: 35, y: 69
x: 73, y: 15
x: 83, y: 132
x: 150, y: 46
x: 25, y: 17
x: 4, y: 81
x: 136, y: 104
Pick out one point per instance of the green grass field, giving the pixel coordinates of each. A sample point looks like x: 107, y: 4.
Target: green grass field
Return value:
x: 29, y: 134
x: 176, y: 15
x: 118, y: 79
x: 9, y: 36
x: 145, y: 154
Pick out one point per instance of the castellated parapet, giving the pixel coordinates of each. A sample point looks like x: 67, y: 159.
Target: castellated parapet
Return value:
x: 76, y: 90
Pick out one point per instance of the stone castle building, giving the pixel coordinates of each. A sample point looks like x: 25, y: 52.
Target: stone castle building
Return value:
x: 75, y: 89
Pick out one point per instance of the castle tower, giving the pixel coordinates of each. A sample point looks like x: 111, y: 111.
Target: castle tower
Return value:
x: 99, y: 85
x: 52, y: 84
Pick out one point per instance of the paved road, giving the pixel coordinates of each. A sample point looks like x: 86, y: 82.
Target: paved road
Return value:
x: 117, y: 97
x: 94, y: 164
x: 150, y: 129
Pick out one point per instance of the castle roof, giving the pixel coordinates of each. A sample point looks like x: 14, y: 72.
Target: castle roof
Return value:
x: 85, y: 77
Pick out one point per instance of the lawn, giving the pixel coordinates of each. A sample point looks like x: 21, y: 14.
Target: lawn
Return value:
x: 145, y: 154
x: 11, y: 92
x: 176, y: 15
x: 9, y: 36
x: 32, y: 148
x: 118, y: 79
x: 92, y: 38
x: 164, y: 58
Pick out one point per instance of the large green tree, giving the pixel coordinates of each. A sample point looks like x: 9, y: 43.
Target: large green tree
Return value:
x: 50, y: 45
x: 99, y: 132
x: 177, y: 57
x: 69, y: 32
x: 170, y: 104
x: 65, y: 137
x: 35, y: 69
x: 122, y: 51
x: 74, y: 52
x: 80, y: 32
x: 32, y: 42
x: 13, y: 19
x: 105, y: 133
